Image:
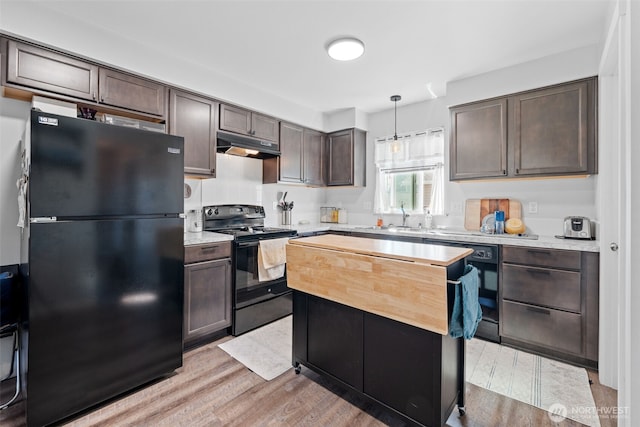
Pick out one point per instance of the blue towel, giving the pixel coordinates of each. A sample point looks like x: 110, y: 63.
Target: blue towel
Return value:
x: 466, y: 307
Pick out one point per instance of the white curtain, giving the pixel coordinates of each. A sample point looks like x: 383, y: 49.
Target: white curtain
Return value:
x: 437, y: 191
x: 411, y: 152
x: 379, y: 202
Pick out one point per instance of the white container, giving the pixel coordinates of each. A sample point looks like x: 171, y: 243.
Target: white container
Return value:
x: 194, y: 220
x: 428, y: 220
x: 54, y: 106
x: 342, y: 216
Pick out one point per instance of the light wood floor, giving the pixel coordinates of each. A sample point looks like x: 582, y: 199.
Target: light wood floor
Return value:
x: 213, y: 389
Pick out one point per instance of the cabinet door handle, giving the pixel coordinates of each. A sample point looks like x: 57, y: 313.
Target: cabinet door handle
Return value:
x: 94, y: 96
x: 102, y: 99
x: 539, y: 310
x: 517, y: 171
x: 504, y: 171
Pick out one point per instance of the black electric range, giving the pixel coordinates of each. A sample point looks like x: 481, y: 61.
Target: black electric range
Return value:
x: 255, y: 302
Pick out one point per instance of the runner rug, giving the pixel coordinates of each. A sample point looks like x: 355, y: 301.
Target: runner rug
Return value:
x: 557, y: 387
x: 266, y: 350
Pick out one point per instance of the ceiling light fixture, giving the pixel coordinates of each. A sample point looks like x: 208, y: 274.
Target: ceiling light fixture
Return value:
x: 395, y: 147
x: 345, y: 49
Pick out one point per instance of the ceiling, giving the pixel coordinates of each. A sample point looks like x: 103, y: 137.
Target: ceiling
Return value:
x: 279, y: 46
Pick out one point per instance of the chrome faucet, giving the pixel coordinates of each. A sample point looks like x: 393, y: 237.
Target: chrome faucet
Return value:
x: 404, y: 215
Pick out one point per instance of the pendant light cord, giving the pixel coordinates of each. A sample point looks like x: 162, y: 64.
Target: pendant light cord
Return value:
x: 395, y: 99
x: 395, y: 121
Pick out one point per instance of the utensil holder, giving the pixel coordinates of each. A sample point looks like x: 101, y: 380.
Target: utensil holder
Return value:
x: 286, y: 217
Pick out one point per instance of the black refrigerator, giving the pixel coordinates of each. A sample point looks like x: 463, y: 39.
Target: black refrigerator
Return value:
x: 102, y: 263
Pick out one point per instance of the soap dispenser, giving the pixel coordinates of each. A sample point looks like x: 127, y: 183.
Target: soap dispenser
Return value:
x: 428, y: 218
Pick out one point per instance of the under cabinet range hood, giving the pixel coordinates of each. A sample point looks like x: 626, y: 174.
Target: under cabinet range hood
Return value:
x: 239, y: 145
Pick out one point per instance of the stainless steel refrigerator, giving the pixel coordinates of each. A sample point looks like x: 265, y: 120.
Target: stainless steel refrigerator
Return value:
x: 102, y: 263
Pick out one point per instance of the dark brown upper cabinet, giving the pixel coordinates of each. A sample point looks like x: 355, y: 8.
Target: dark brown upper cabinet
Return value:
x: 53, y: 72
x: 313, y: 157
x: 194, y: 118
x: 38, y: 68
x: 479, y: 140
x: 346, y: 157
x: 301, y: 157
x: 239, y: 120
x: 133, y: 93
x: 544, y: 132
x: 553, y: 130
x: 291, y: 153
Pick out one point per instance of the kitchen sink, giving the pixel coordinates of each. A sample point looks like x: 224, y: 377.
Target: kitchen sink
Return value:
x: 444, y: 232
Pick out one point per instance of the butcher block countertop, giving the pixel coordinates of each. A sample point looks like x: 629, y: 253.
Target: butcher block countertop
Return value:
x: 405, y: 251
x: 402, y: 281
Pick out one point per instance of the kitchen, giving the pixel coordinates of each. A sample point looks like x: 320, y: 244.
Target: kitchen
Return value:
x: 555, y: 198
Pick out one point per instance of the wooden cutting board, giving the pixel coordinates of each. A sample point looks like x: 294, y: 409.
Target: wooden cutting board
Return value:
x: 476, y: 209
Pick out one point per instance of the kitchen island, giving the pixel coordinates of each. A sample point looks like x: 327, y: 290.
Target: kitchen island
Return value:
x: 373, y: 316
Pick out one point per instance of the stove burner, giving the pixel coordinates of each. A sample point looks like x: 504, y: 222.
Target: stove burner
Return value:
x: 242, y: 221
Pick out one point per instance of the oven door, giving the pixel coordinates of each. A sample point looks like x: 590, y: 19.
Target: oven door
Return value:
x: 248, y: 289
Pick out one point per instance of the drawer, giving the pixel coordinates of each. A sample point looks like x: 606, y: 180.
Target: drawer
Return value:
x: 206, y: 252
x: 541, y: 257
x: 557, y: 330
x: 542, y: 286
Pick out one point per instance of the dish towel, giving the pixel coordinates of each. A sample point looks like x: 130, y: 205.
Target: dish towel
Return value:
x: 272, y: 258
x: 466, y: 308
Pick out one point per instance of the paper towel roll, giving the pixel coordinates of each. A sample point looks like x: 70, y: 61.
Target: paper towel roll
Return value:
x: 342, y: 216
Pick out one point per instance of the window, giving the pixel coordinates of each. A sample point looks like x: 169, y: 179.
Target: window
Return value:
x: 410, y: 173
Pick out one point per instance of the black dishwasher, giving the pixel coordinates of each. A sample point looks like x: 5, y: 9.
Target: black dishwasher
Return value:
x: 485, y: 259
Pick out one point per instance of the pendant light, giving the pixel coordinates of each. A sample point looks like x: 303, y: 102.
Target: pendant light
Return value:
x: 395, y: 146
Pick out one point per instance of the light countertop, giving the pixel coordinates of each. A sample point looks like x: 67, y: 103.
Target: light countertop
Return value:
x: 406, y: 251
x: 203, y: 237
x: 458, y: 235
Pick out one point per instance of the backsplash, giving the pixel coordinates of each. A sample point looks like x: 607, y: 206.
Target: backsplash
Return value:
x: 239, y: 180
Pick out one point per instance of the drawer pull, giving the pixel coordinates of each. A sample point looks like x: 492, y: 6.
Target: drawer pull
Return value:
x: 539, y: 272
x: 539, y: 310
x: 208, y: 250
x: 538, y: 251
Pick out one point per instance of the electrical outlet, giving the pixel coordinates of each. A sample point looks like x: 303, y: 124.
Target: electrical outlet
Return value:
x: 533, y: 207
x: 275, y: 206
x: 456, y: 208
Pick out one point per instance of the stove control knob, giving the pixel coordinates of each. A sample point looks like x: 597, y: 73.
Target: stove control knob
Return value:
x: 209, y: 212
x: 216, y: 211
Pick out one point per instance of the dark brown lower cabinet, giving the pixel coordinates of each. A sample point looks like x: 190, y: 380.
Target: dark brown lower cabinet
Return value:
x: 413, y: 372
x: 549, y: 302
x: 207, y: 291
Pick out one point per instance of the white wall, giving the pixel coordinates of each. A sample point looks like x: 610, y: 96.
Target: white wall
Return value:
x: 556, y: 198
x: 345, y: 118
x: 108, y: 46
x: 239, y: 180
x: 13, y: 119
x: 632, y: 400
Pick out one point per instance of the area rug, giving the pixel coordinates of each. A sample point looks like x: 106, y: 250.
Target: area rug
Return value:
x: 557, y: 387
x: 266, y: 350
